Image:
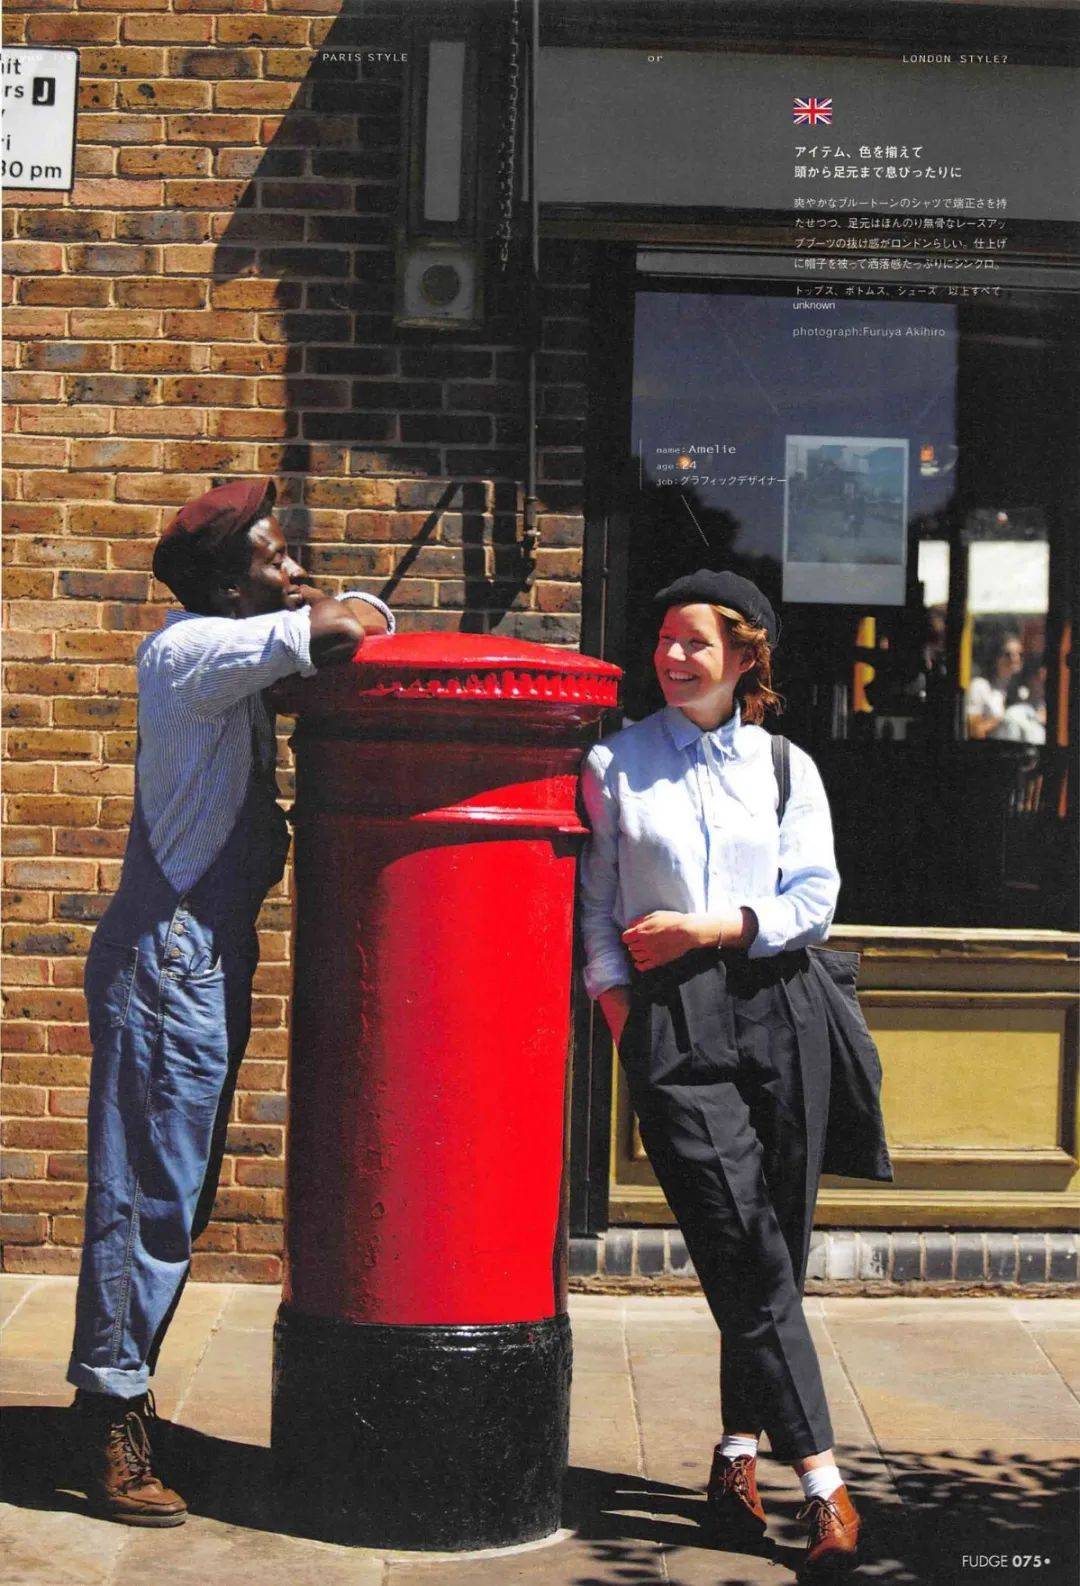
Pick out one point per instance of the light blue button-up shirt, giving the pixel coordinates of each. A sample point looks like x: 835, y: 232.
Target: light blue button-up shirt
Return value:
x: 201, y: 717
x: 684, y: 819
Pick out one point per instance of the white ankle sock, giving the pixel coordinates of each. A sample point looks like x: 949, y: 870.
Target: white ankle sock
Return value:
x: 733, y: 1447
x: 821, y: 1482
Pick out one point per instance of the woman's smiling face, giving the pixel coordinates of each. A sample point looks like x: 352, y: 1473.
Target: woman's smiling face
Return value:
x: 697, y: 664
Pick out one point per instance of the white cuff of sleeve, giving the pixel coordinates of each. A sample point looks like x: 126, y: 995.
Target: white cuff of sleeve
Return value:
x: 774, y: 921
x: 372, y: 600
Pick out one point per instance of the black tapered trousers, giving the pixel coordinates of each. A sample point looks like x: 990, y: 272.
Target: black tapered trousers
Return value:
x: 728, y: 1066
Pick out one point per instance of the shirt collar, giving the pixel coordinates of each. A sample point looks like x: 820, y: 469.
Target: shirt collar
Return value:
x: 727, y: 739
x: 178, y: 616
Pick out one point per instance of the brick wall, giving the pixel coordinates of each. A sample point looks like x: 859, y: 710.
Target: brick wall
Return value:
x: 214, y: 298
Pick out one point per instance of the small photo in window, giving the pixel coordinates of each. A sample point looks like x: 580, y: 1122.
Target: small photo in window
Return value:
x: 845, y: 519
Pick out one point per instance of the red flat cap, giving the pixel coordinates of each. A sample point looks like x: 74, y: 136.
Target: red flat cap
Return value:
x: 185, y: 552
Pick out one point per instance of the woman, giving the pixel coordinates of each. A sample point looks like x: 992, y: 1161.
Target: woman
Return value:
x: 696, y: 910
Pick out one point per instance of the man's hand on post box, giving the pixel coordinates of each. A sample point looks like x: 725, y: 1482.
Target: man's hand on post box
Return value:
x: 337, y: 628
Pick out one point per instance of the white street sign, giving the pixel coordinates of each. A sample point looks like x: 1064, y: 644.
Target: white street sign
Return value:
x: 37, y: 123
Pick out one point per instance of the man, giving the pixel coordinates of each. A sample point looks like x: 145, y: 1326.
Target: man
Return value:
x: 169, y: 972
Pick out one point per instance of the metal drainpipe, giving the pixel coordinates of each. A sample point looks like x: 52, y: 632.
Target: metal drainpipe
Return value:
x: 531, y: 534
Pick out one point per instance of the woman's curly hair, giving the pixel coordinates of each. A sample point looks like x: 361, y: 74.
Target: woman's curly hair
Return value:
x: 754, y: 692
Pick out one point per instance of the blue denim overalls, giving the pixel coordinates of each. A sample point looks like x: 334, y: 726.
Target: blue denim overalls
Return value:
x: 168, y: 989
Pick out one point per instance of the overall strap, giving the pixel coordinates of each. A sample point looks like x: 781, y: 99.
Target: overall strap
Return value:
x: 781, y: 760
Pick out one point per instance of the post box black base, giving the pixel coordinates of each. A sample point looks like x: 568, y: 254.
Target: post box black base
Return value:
x: 434, y: 1438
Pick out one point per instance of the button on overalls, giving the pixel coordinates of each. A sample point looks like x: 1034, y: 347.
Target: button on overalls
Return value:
x: 168, y: 989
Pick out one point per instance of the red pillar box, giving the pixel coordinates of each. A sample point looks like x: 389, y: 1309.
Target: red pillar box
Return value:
x: 422, y: 1350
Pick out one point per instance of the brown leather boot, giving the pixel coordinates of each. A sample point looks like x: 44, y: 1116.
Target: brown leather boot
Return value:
x: 120, y: 1483
x: 734, y: 1508
x: 833, y: 1539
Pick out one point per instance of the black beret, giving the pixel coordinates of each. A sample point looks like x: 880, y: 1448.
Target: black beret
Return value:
x: 721, y: 589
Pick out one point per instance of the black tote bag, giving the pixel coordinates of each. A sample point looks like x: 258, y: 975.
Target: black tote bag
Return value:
x: 855, y: 1145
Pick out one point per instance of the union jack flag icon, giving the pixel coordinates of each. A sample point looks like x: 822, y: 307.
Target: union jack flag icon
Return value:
x: 808, y: 112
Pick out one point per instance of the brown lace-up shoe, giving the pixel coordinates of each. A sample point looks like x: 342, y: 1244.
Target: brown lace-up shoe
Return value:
x: 121, y: 1484
x: 833, y: 1538
x: 734, y: 1508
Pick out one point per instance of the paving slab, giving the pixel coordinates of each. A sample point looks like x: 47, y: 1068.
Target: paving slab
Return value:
x: 955, y: 1427
x: 1061, y: 1346
x: 51, y: 1547
x: 14, y: 1291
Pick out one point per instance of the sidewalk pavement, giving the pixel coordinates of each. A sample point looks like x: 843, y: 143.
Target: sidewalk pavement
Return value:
x: 957, y: 1423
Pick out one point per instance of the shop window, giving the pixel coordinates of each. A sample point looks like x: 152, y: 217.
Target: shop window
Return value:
x: 885, y: 468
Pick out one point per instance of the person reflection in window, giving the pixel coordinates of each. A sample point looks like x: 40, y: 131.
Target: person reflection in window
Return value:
x: 1025, y: 714
x: 988, y: 694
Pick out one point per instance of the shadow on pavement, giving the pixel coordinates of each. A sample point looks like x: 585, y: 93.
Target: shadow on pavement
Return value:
x: 959, y: 1515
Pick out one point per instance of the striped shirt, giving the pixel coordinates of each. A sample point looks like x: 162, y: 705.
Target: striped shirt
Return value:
x: 201, y: 719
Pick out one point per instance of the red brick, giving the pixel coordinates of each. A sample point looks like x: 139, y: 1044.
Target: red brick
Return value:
x: 48, y: 809
x: 96, y: 646
x: 72, y: 485
x: 293, y: 64
x: 122, y: 62
x: 20, y: 1228
x: 27, y: 647
x: 67, y: 1230
x: 263, y: 1173
x: 23, y: 1164
x: 163, y: 162
x: 159, y: 294
x: 113, y: 129
x: 33, y: 258
x: 67, y: 1165
x: 166, y: 489
x: 254, y: 96
x: 65, y: 292
x: 24, y: 323
x: 82, y: 29
x: 68, y: 1103
x: 28, y: 971
x: 44, y: 1197
x: 168, y: 30
x: 26, y: 1101
x: 192, y: 457
x: 65, y: 421
x: 32, y: 451
x: 109, y: 518
x: 32, y: 387
x: 49, y: 1134
x: 251, y: 425
x: 218, y: 1236
x: 260, y: 1236
x: 163, y: 96
x: 31, y: 743
x: 205, y: 195
x: 26, y: 906
x: 22, y: 584
x: 161, y: 356
x: 66, y: 355
x: 22, y: 1038
x: 207, y: 1266
x: 99, y: 779
x: 213, y: 130
x: 165, y: 422
x: 115, y: 454
x: 62, y: 1263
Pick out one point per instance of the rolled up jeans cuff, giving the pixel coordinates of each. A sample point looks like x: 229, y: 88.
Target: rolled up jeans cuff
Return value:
x: 113, y: 1380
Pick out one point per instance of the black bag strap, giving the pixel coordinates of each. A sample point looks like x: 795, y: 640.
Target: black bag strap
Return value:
x: 781, y: 764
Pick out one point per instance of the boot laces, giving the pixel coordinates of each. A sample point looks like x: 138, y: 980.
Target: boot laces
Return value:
x: 740, y: 1479
x: 820, y: 1512
x: 734, y: 1476
x: 129, y: 1437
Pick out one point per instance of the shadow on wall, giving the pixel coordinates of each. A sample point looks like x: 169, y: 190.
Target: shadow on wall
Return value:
x: 355, y: 413
x: 924, y: 1513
